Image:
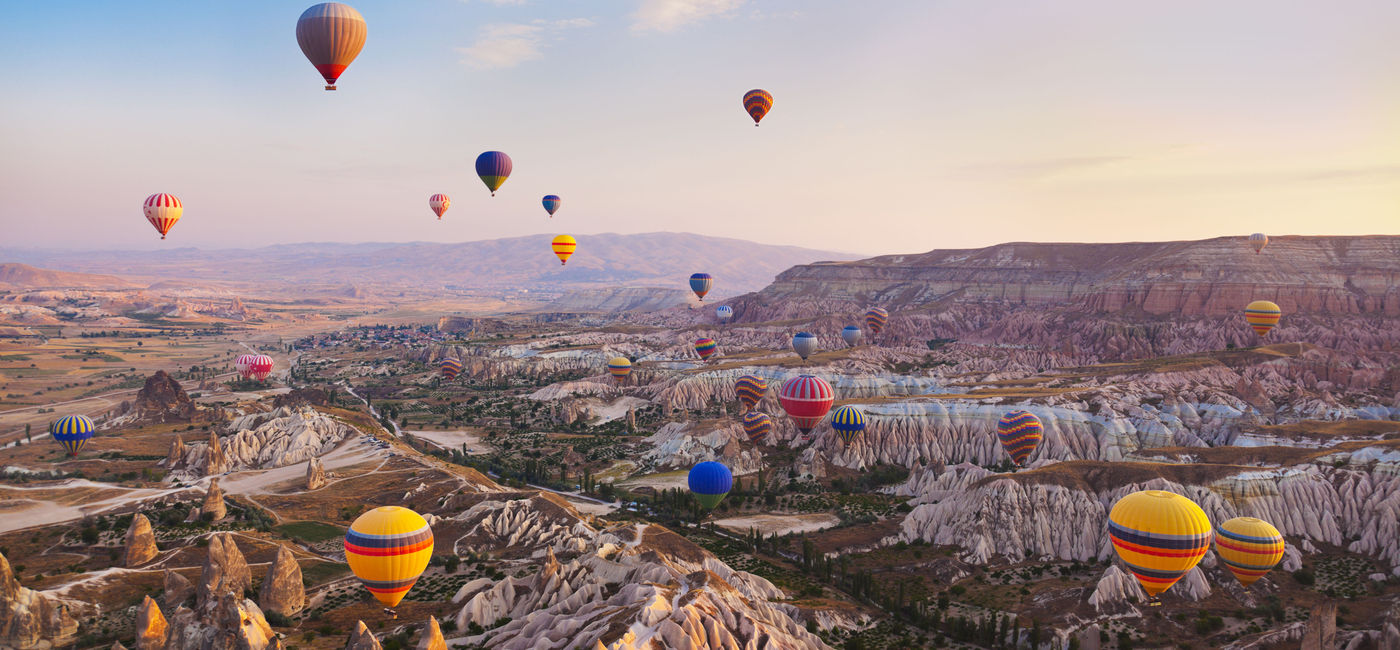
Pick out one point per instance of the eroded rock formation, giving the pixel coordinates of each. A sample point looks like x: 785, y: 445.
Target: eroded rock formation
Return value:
x: 315, y: 474
x: 225, y: 570
x: 28, y: 618
x: 140, y: 541
x: 362, y: 639
x: 282, y: 591
x: 152, y: 630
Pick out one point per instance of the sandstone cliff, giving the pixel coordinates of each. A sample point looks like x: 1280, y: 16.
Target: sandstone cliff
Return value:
x: 29, y: 618
x: 140, y: 541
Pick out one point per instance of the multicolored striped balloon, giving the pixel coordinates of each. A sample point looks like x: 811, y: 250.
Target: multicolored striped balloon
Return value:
x: 757, y: 103
x: 72, y: 431
x: 700, y: 283
x: 1020, y: 433
x: 804, y: 344
x: 875, y: 319
x: 847, y: 421
x: 1262, y: 315
x: 387, y: 549
x: 806, y: 399
x: 439, y: 204
x: 757, y: 425
x: 1159, y: 535
x: 163, y: 210
x: 750, y: 389
x: 705, y: 347
x: 619, y: 368
x: 709, y: 482
x: 551, y: 203
x: 331, y: 35
x: 564, y: 247
x: 1249, y: 548
x: 450, y: 367
x: 1258, y: 240
x: 494, y: 168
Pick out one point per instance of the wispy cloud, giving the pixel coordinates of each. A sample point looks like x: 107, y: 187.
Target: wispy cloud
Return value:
x: 668, y: 15
x: 506, y: 45
x: 1037, y: 169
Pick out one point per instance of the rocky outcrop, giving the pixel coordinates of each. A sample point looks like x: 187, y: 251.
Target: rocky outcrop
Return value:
x: 228, y: 622
x: 286, y: 436
x: 178, y: 589
x: 152, y: 631
x: 683, y: 444
x: 214, y: 460
x: 140, y: 541
x: 213, y: 507
x: 362, y: 639
x: 301, y: 397
x: 225, y: 570
x: 177, y: 451
x: 315, y: 474
x: 29, y: 618
x: 432, y: 636
x: 162, y: 399
x: 1321, y: 631
x: 282, y: 591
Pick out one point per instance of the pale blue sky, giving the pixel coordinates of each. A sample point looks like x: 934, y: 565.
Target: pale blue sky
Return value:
x: 898, y: 126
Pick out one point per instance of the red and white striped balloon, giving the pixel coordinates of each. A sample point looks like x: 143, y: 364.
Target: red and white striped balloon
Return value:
x: 439, y: 203
x: 254, y: 366
x: 163, y: 210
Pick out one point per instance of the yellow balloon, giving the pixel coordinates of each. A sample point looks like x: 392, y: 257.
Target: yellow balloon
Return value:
x: 1262, y: 315
x: 563, y: 246
x: 387, y: 549
x: 1249, y: 548
x: 1159, y: 535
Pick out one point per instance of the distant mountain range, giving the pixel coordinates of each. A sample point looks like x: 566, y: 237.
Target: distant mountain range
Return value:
x: 24, y: 276
x: 602, y: 261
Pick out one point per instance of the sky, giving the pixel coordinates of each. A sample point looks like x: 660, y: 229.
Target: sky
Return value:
x: 898, y: 126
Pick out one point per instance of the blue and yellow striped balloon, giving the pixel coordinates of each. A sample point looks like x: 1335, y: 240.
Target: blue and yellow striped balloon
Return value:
x: 750, y: 389
x: 847, y: 421
x: 387, y: 549
x: 619, y: 368
x: 72, y: 431
x: 1159, y: 535
x: 1249, y: 548
x: 1020, y: 433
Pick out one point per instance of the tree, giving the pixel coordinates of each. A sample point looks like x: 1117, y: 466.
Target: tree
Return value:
x: 1035, y: 633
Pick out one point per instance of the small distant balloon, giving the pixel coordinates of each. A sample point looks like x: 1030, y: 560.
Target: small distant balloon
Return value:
x: 163, y: 210
x: 450, y: 368
x: 620, y: 368
x: 1020, y: 433
x: 851, y: 335
x: 551, y: 203
x: 804, y: 344
x: 875, y: 319
x: 1258, y: 240
x: 700, y: 283
x: 710, y: 482
x: 705, y: 347
x: 750, y: 389
x: 72, y: 432
x: 848, y: 422
x: 563, y: 246
x: 331, y: 35
x: 756, y: 426
x: 256, y: 367
x: 757, y: 103
x: 494, y: 168
x: 1262, y: 315
x: 439, y: 203
x: 724, y: 313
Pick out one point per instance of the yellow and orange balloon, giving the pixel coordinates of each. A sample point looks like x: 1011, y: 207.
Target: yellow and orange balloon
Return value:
x: 563, y: 246
x: 1248, y: 547
x: 1160, y: 536
x: 1262, y: 315
x: 387, y: 549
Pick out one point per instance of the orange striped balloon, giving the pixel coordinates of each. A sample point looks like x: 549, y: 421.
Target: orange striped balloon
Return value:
x: 564, y: 246
x: 439, y: 204
x: 163, y: 210
x: 1249, y: 548
x: 1262, y: 315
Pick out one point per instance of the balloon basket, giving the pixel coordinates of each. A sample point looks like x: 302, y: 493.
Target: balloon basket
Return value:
x: 331, y: 87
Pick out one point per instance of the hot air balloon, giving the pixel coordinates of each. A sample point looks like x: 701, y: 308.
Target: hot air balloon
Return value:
x: 750, y: 389
x: 709, y: 482
x: 551, y: 203
x: 804, y: 343
x: 242, y: 363
x: 1262, y: 315
x: 1249, y: 548
x: 1020, y: 433
x: 1159, y: 535
x: 875, y: 319
x: 619, y: 368
x: 700, y: 283
x: 439, y: 203
x: 851, y: 335
x: 163, y: 210
x: 705, y: 347
x: 847, y: 421
x: 450, y: 367
x: 331, y: 35
x: 806, y: 399
x: 387, y: 549
x: 724, y: 313
x: 1258, y: 240
x: 257, y: 367
x: 494, y: 168
x: 757, y: 425
x: 757, y: 102
x: 563, y: 246
x: 72, y: 431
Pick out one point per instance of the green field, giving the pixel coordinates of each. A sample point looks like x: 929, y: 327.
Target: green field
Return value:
x: 310, y: 531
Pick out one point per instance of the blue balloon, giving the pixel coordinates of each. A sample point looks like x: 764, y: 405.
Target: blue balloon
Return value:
x: 709, y: 482
x: 724, y: 312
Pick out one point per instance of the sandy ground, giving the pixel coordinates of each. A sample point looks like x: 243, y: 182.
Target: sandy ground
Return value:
x: 453, y: 440
x: 676, y: 479
x: 224, y: 398
x: 780, y: 524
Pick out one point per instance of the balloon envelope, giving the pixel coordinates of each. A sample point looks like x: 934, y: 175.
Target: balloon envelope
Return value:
x: 257, y: 367
x: 847, y: 421
x: 450, y: 367
x: 757, y: 425
x: 387, y: 549
x: 1159, y: 535
x: 551, y: 203
x: 564, y: 247
x: 72, y: 431
x: 494, y: 168
x: 331, y: 35
x: 724, y: 313
x: 1249, y: 548
x: 163, y: 210
x: 757, y: 103
x: 1262, y: 315
x: 705, y: 347
x: 806, y: 399
x: 439, y: 204
x: 804, y: 343
x: 1258, y: 240
x: 750, y: 389
x: 619, y: 368
x: 700, y: 283
x: 1020, y: 433
x: 709, y: 482
x: 875, y: 319
x: 851, y: 335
